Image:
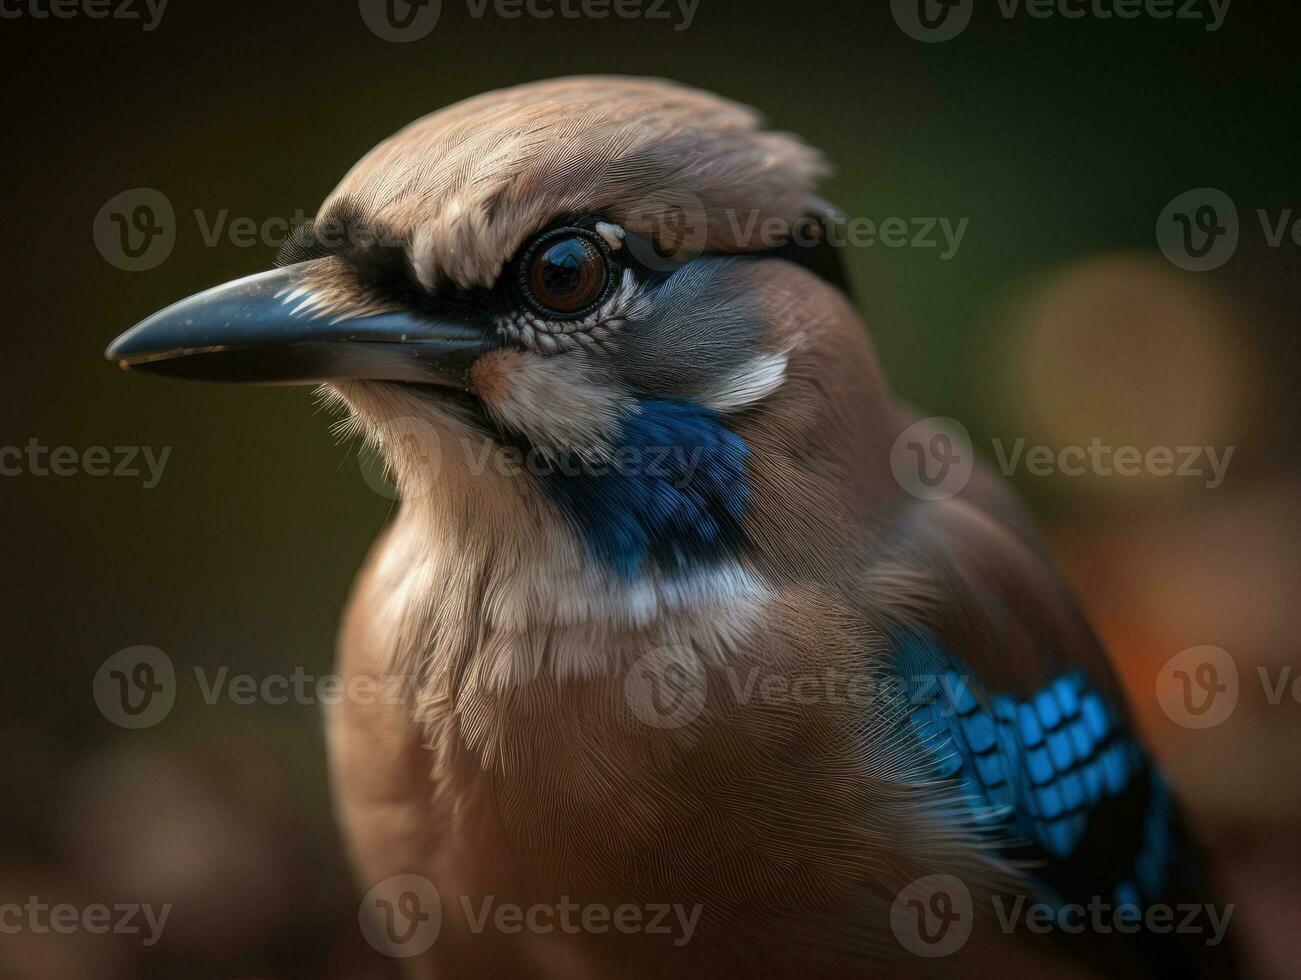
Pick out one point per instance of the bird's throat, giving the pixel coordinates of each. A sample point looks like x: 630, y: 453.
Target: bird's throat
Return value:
x: 671, y: 497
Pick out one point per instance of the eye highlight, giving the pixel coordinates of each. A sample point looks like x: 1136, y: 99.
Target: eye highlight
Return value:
x: 566, y: 273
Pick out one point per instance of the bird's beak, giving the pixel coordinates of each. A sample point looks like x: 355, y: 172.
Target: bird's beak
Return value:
x: 260, y: 330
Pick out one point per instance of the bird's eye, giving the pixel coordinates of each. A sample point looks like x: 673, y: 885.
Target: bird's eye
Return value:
x: 566, y: 273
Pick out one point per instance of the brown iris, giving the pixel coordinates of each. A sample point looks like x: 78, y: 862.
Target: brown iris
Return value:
x: 566, y: 274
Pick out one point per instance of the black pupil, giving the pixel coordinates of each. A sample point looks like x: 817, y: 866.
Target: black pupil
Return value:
x: 562, y: 266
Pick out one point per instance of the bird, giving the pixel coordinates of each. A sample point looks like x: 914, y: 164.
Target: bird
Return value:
x: 680, y: 677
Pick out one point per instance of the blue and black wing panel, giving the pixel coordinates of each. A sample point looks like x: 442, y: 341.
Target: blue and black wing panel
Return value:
x: 1055, y: 777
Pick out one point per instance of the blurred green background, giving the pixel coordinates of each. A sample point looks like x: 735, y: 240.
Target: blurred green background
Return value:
x: 1058, y: 320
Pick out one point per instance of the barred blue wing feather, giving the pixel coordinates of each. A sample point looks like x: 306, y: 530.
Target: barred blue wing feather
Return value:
x: 1055, y: 777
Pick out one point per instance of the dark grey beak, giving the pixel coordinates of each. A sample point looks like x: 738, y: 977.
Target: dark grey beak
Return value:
x: 259, y: 330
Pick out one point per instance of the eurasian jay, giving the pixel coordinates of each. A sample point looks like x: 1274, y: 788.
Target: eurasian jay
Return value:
x: 660, y: 627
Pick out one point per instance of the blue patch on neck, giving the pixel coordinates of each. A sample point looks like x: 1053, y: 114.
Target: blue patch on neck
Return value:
x: 673, y: 495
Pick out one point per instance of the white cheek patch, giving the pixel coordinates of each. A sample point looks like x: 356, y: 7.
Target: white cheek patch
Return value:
x: 752, y: 382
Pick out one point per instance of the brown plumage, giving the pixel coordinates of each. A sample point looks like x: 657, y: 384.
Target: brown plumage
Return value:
x: 512, y: 761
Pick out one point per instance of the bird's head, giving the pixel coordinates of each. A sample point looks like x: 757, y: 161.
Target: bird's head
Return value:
x: 606, y: 299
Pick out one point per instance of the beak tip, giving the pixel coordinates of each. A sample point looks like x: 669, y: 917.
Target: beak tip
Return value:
x: 116, y: 353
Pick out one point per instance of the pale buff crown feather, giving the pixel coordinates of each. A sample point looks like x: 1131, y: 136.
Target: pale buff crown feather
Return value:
x: 466, y: 186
